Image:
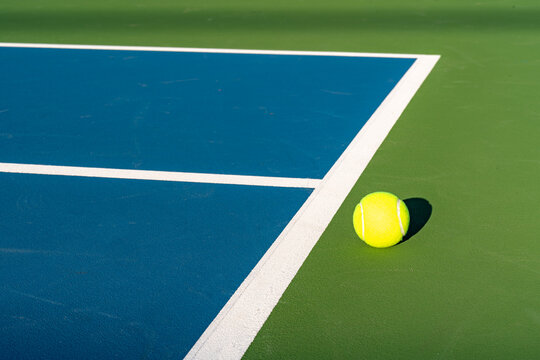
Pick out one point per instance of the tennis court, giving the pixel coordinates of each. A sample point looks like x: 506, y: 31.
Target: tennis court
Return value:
x: 178, y: 179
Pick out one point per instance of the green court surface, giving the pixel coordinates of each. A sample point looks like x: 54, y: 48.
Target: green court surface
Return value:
x: 467, y: 284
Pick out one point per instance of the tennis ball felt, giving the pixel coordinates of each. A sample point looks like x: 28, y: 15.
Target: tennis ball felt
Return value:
x: 381, y: 219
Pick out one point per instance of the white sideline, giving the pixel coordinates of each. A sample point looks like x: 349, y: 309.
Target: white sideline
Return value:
x: 159, y: 175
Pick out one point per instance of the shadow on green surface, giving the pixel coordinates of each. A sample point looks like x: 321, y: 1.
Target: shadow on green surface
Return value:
x: 420, y: 211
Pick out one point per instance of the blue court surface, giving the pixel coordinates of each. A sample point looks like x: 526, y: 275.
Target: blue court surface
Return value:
x: 115, y: 268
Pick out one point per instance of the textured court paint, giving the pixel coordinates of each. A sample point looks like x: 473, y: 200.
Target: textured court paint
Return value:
x: 466, y: 285
x: 100, y: 268
x: 242, y: 114
x: 288, y: 252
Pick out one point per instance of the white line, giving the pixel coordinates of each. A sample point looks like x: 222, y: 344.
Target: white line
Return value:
x: 204, y: 50
x: 237, y: 324
x: 159, y: 175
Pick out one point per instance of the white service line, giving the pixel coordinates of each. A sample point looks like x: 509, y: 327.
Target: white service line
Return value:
x: 159, y: 175
x: 237, y: 324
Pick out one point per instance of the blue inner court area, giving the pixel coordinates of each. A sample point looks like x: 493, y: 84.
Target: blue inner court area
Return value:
x: 108, y: 268
x: 244, y: 114
x: 104, y: 268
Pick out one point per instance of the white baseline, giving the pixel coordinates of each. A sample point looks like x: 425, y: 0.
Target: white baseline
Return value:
x: 205, y: 50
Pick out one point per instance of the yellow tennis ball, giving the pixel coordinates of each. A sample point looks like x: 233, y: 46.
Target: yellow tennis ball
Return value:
x: 381, y: 219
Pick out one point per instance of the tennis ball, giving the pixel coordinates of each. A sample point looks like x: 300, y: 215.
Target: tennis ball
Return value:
x: 381, y: 219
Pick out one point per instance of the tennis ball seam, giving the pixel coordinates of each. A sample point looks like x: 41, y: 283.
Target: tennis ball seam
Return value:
x: 399, y: 218
x: 362, y: 216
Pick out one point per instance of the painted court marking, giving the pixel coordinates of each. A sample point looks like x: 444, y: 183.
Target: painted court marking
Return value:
x: 232, y: 331
x: 204, y: 50
x: 159, y: 175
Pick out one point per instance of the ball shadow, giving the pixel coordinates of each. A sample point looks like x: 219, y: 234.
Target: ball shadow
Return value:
x: 420, y: 211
